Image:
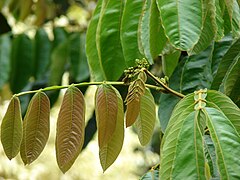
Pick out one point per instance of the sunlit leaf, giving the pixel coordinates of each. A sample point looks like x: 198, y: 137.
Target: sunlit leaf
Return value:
x: 109, y: 152
x: 106, y: 103
x: 36, y: 128
x: 135, y: 91
x: 70, y: 128
x: 11, y: 129
x: 182, y: 21
x: 146, y: 119
x: 226, y: 141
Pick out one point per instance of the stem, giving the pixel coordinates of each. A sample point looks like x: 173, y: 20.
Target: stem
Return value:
x: 156, y: 79
x: 86, y: 84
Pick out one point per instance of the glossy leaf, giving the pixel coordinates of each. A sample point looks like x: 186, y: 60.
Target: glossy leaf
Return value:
x: 79, y: 70
x: 129, y: 31
x: 225, y: 63
x: 36, y: 128
x: 197, y: 73
x: 109, y: 152
x: 59, y: 58
x: 146, y: 118
x: 11, y: 129
x: 106, y: 103
x: 108, y: 43
x: 225, y: 139
x: 91, y: 47
x: 5, y: 51
x: 70, y: 128
x: 21, y: 62
x: 135, y: 91
x: 217, y: 100
x: 182, y: 21
x: 42, y: 50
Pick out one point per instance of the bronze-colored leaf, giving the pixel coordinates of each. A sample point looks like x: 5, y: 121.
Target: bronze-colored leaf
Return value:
x: 70, y: 128
x: 135, y: 91
x: 36, y: 127
x: 11, y: 129
x: 109, y: 152
x: 106, y: 103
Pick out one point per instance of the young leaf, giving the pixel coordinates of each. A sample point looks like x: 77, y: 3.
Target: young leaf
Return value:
x: 135, y: 91
x: 182, y: 21
x: 146, y: 118
x: 108, y: 39
x: 91, y: 47
x: 109, y: 152
x: 70, y: 128
x: 129, y: 31
x: 36, y: 128
x: 11, y: 129
x: 106, y: 103
x: 5, y: 49
x: 226, y: 141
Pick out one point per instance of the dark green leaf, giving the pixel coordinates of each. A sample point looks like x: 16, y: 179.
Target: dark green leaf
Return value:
x: 5, y: 49
x: 170, y: 62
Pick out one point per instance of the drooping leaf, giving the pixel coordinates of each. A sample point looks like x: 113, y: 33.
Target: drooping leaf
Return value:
x: 135, y: 91
x: 231, y: 81
x: 59, y: 36
x: 109, y: 152
x: 170, y: 62
x: 91, y: 47
x: 25, y: 9
x: 226, y: 140
x: 11, y: 129
x: 70, y: 128
x: 197, y: 72
x: 36, y: 128
x: 40, y: 12
x: 182, y: 21
x: 42, y: 50
x: 225, y: 63
x: 223, y: 103
x: 108, y: 43
x: 5, y: 49
x: 106, y: 103
x: 146, y: 119
x: 79, y: 70
x: 235, y: 21
x: 59, y: 58
x: 129, y: 31
x: 21, y: 62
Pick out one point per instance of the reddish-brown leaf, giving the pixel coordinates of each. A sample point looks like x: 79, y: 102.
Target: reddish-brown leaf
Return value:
x: 70, y: 128
x: 106, y: 103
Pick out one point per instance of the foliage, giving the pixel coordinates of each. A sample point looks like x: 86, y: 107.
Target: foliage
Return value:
x: 193, y: 45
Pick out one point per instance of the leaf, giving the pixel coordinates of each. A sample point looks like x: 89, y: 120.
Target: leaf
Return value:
x: 70, y: 128
x: 91, y: 47
x: 79, y: 70
x: 5, y: 49
x: 146, y: 118
x: 135, y: 91
x: 153, y: 174
x: 106, y: 103
x: 225, y: 63
x: 36, y: 128
x: 182, y: 21
x: 59, y: 36
x: 129, y: 31
x: 59, y: 58
x: 197, y: 72
x: 11, y: 129
x: 108, y: 40
x: 207, y: 33
x: 224, y: 104
x: 170, y: 62
x: 21, y: 62
x: 109, y: 152
x: 236, y: 19
x: 225, y: 139
x: 25, y: 9
x: 232, y: 80
x: 40, y: 12
x: 42, y: 50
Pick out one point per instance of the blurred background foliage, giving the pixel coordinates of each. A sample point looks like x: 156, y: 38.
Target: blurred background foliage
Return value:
x: 42, y: 43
